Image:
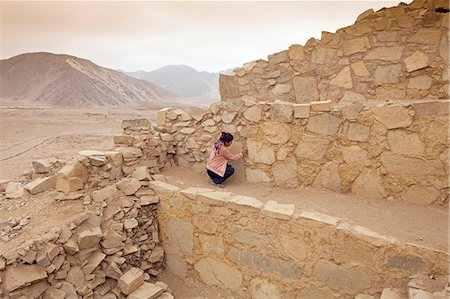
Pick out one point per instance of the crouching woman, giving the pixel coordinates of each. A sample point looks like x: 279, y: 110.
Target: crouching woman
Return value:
x: 217, y: 166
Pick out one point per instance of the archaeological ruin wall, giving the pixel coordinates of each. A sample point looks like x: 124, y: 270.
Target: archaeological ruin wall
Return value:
x: 397, y: 53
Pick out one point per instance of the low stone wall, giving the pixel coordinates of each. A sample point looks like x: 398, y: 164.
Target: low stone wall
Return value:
x: 396, y: 151
x: 273, y: 251
x: 395, y: 53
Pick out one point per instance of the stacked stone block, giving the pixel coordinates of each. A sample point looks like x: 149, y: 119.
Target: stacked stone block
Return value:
x: 395, y: 53
x: 272, y: 250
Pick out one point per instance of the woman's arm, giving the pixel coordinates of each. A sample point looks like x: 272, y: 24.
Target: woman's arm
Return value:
x: 229, y: 156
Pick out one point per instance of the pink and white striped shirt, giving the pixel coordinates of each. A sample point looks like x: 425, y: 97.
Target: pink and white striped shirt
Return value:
x: 218, y: 159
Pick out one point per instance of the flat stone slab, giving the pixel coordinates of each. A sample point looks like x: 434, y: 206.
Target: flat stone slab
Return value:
x: 279, y: 211
x: 164, y: 188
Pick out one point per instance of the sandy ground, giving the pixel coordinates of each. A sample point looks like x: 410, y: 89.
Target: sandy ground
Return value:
x: 29, y: 134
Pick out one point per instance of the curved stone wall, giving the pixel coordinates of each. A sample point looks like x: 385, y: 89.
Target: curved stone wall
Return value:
x: 395, y: 53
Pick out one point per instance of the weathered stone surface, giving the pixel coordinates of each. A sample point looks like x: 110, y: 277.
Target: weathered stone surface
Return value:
x: 285, y: 173
x: 322, y: 55
x: 108, y: 192
x: 146, y: 291
x: 432, y: 108
x: 279, y: 57
x: 311, y: 148
x: 181, y: 235
x: 280, y: 89
x: 260, y: 152
x: 355, y: 156
x: 131, y: 280
x: 357, y: 132
x: 53, y: 293
x: 148, y: 200
x: 369, y: 184
x: 228, y: 117
x: 112, y: 240
x: 228, y: 87
x: 282, y: 112
x: 193, y: 191
x: 71, y: 177
x: 427, y: 36
x: 157, y: 254
x: 294, y: 247
x: 205, y: 223
x: 420, y: 82
x: 164, y: 188
x: 129, y: 186
x: 400, y: 165
x: 197, y: 113
x: 89, y: 238
x: 420, y: 195
x: 264, y: 263
x: 262, y: 289
x: 249, y: 237
x: 406, y: 144
x: 385, y: 53
x: 393, y: 117
x: 351, y: 280
x: 96, y: 158
x: 253, y: 113
x: 343, y: 78
x: 130, y: 223
x: 351, y: 97
x: 41, y: 184
x: 314, y: 292
x: 305, y: 89
x: 388, y: 73
x: 360, y: 69
x: 416, y: 61
x: 296, y: 52
x: 141, y: 173
x: 276, y: 133
x: 216, y: 273
x: 279, y: 211
x: 256, y: 175
x: 324, y: 124
x: 321, y: 106
x: 328, y: 177
x: 301, y: 110
x: 14, y: 190
x: 22, y: 275
x: 130, y: 153
x: 93, y: 261
x: 215, y: 198
x: 176, y: 265
x: 356, y: 45
x: 44, y: 165
x: 393, y: 294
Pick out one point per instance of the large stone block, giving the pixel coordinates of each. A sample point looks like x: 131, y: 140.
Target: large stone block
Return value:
x: 396, y: 164
x: 279, y: 211
x: 228, y: 86
x: 305, y: 88
x: 357, y: 132
x: 129, y: 186
x: 44, y: 165
x: 282, y: 112
x: 256, y: 175
x: 216, y: 273
x: 71, y: 177
x: 416, y: 61
x: 41, y: 184
x: 253, y: 113
x: 301, y: 110
x: 205, y: 223
x: 260, y: 152
x: 131, y: 280
x: 385, y: 53
x: 276, y: 133
x: 161, y: 117
x: 343, y: 78
x: 355, y: 156
x: 328, y: 177
x: 264, y: 263
x: 392, y: 117
x: 285, y: 173
x: 146, y: 291
x: 262, y: 289
x: 350, y: 281
x: 324, y: 124
x: 406, y: 144
x: 246, y: 236
x: 360, y: 69
x: 311, y: 148
x: 212, y: 244
x: 432, y: 108
x: 163, y: 188
x: 420, y: 195
x: 108, y: 192
x: 322, y: 55
x: 296, y: 52
x: 181, y: 235
x: 426, y: 36
x: 422, y: 82
x: 22, y: 275
x: 356, y: 45
x: 176, y: 265
x: 89, y: 238
x: 387, y: 73
x: 369, y: 184
x: 294, y: 248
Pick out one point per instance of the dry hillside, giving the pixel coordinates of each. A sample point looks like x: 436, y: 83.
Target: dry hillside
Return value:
x: 51, y: 80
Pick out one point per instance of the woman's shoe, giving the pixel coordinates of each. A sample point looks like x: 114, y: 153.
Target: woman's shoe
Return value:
x: 217, y: 185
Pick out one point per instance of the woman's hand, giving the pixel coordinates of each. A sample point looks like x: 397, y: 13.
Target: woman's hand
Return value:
x: 244, y: 152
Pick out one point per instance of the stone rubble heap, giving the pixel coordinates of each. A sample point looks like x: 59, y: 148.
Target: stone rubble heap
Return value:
x: 111, y: 251
x: 396, y: 53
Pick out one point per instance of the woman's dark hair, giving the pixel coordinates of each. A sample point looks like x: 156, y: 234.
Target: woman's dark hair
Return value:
x: 226, y: 137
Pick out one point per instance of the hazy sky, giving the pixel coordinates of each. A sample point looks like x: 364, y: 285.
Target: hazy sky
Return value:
x: 207, y: 35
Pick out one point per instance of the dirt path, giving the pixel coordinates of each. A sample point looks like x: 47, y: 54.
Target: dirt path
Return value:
x: 426, y: 226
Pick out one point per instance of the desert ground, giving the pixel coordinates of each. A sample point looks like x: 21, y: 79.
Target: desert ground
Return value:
x: 30, y: 134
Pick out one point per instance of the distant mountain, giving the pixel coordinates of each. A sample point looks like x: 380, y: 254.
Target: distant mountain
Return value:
x: 184, y: 81
x: 58, y: 80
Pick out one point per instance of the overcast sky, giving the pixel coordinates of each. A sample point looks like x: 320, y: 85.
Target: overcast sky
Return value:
x: 208, y: 35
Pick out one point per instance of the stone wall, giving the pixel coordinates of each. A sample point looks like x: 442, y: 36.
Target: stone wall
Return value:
x: 113, y: 250
x: 275, y: 251
x: 396, y: 151
x: 395, y: 53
